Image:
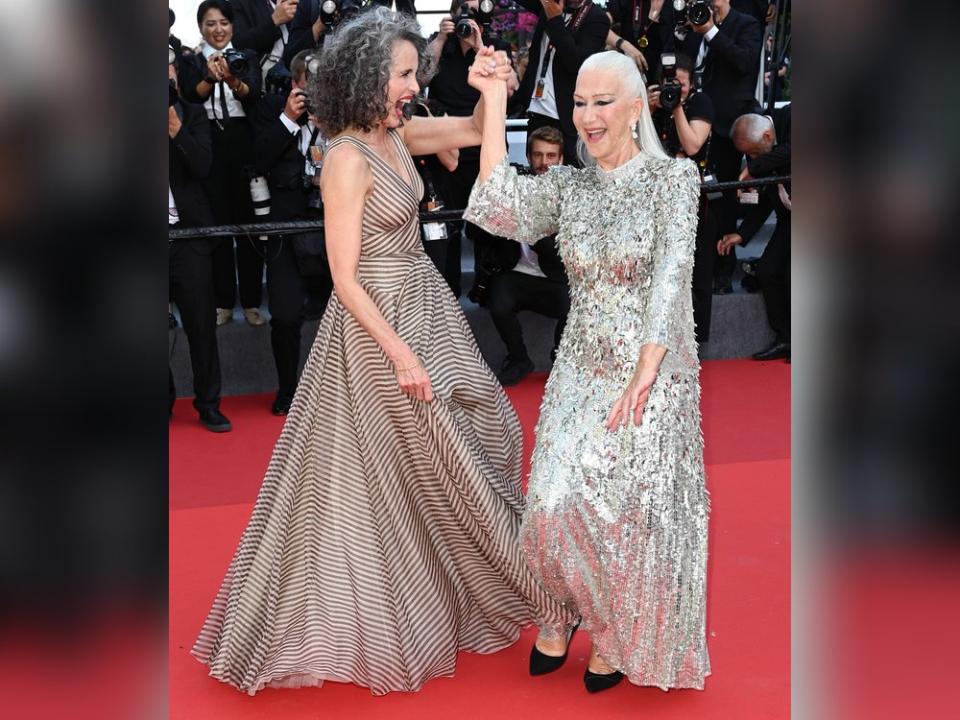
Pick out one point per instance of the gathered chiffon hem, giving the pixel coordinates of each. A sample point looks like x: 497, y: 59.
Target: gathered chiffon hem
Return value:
x: 308, y: 678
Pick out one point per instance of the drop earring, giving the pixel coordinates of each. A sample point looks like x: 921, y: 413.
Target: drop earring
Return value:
x: 633, y: 131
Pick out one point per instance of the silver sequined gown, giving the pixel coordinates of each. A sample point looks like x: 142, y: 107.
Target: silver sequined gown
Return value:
x: 616, y: 523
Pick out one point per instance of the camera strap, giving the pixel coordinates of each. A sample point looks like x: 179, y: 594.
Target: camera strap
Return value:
x: 572, y: 23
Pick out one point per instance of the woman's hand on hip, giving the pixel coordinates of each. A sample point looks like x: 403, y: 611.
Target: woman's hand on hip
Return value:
x: 489, y: 68
x: 629, y: 407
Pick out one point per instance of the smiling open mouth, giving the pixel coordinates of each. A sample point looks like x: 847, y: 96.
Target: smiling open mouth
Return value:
x: 595, y: 135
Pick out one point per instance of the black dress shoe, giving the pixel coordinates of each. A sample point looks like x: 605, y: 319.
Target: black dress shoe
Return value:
x: 598, y: 682
x: 541, y: 664
x: 281, y: 405
x: 214, y: 420
x: 513, y: 371
x: 775, y: 352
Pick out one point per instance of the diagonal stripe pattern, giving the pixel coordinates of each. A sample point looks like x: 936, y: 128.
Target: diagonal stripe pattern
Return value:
x: 384, y: 537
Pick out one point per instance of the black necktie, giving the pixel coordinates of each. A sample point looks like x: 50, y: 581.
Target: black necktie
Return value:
x: 223, y: 100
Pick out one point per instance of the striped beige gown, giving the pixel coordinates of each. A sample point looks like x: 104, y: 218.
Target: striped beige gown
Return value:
x: 384, y: 537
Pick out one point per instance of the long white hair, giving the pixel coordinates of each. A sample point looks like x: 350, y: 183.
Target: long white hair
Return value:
x: 633, y: 84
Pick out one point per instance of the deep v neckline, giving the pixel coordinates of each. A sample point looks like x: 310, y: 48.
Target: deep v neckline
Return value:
x: 406, y: 184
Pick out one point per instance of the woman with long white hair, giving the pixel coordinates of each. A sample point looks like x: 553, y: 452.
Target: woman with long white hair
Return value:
x: 616, y: 520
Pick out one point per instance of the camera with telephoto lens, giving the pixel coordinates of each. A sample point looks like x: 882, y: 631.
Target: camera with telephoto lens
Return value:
x: 483, y: 16
x: 670, y: 89
x: 696, y: 11
x: 335, y: 11
x: 236, y: 61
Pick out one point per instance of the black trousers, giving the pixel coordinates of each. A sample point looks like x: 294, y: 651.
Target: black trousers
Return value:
x: 438, y: 251
x: 727, y: 160
x: 773, y: 273
x: 229, y: 190
x: 287, y: 294
x: 191, y: 288
x: 536, y: 120
x: 704, y: 254
x: 455, y: 189
x: 510, y: 292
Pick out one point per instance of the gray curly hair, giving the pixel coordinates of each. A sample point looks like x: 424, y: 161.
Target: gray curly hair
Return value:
x: 349, y: 88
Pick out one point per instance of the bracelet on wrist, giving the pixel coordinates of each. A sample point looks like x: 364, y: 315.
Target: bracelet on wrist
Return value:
x: 619, y: 45
x: 412, y: 367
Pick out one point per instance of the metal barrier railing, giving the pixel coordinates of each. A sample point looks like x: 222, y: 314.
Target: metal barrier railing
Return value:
x: 294, y: 227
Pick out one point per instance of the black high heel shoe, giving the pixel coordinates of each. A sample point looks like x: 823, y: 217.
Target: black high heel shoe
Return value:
x: 598, y: 682
x: 541, y: 664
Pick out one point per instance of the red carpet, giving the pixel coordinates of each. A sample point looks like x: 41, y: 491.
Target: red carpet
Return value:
x: 746, y: 408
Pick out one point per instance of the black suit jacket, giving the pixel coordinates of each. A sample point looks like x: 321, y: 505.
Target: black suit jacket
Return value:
x: 301, y: 30
x: 253, y: 25
x: 505, y: 254
x: 730, y: 70
x: 193, y: 69
x: 189, y: 160
x: 278, y: 158
x: 573, y: 47
x: 757, y: 9
x: 775, y: 162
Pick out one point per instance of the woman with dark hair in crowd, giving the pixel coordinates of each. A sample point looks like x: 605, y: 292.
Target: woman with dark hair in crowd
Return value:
x: 384, y: 537
x: 229, y: 88
x: 616, y: 519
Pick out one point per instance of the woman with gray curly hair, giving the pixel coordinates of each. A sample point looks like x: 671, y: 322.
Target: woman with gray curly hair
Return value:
x: 384, y: 538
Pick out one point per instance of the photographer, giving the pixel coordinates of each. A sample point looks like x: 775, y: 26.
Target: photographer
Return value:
x: 307, y: 30
x: 227, y: 82
x: 684, y: 129
x: 264, y: 26
x: 727, y: 51
x: 190, y: 267
x: 527, y: 277
x: 641, y: 30
x: 566, y: 35
x: 286, y: 151
x: 765, y: 139
x: 450, y: 94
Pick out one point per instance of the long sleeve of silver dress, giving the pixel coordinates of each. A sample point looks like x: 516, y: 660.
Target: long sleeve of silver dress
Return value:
x: 616, y: 522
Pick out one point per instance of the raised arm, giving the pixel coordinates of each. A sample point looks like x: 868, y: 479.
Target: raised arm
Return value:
x: 501, y: 202
x: 345, y: 182
x: 431, y: 135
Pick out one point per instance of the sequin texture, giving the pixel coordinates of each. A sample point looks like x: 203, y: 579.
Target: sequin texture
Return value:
x: 616, y: 523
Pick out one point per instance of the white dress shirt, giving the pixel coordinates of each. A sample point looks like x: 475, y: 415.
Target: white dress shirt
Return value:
x: 213, y: 105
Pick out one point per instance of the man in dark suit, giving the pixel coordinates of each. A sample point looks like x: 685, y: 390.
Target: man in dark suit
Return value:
x: 531, y: 277
x: 763, y: 11
x: 642, y: 29
x: 726, y: 50
x: 566, y: 35
x: 263, y: 26
x: 307, y: 30
x: 766, y: 142
x: 284, y: 136
x: 191, y: 268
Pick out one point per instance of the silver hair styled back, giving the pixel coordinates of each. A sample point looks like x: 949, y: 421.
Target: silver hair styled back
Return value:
x: 349, y: 88
x: 635, y: 87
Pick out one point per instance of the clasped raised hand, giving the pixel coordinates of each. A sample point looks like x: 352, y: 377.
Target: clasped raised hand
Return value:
x: 489, y: 68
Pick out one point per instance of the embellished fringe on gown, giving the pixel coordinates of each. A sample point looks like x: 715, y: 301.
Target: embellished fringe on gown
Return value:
x: 616, y: 523
x: 385, y: 535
